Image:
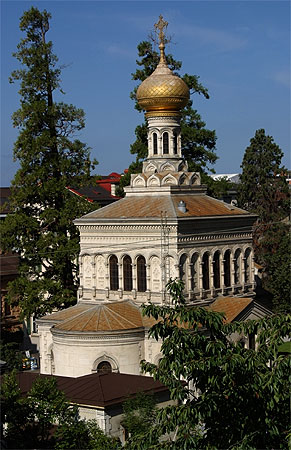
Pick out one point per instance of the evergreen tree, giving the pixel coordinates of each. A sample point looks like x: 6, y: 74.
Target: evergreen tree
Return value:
x: 40, y: 228
x: 198, y: 143
x: 263, y: 189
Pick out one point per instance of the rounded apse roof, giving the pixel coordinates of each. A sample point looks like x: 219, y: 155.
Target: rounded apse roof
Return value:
x: 104, y: 317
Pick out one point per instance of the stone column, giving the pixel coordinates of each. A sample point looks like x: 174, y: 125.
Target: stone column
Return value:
x: 120, y: 280
x: 232, y: 272
x: 211, y: 276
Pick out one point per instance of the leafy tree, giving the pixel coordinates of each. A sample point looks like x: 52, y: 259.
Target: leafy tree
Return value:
x: 263, y: 189
x: 233, y: 397
x: 273, y: 251
x: 198, y: 143
x: 79, y: 434
x: 139, y: 415
x: 31, y: 420
x: 40, y: 228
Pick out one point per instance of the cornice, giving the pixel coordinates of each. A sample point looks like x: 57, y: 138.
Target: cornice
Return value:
x: 116, y: 228
x: 214, y: 237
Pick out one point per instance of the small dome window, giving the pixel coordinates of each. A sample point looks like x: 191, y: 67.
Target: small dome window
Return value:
x: 104, y: 367
x: 155, y: 143
x: 166, y: 143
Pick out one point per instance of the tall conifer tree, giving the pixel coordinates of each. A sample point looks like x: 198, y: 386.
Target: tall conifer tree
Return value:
x: 40, y: 228
x: 264, y: 191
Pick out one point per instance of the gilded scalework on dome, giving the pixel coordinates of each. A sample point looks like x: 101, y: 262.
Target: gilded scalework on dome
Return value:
x: 162, y: 91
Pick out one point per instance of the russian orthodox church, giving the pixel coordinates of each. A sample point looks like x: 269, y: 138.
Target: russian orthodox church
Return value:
x: 165, y: 227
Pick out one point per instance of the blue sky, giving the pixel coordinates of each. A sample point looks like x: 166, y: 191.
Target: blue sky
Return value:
x: 240, y: 50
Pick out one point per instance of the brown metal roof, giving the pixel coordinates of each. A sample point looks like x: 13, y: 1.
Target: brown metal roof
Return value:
x: 100, y: 389
x: 151, y: 206
x: 230, y: 306
x: 101, y: 317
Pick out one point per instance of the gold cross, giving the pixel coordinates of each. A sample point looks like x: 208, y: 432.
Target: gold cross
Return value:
x: 161, y: 25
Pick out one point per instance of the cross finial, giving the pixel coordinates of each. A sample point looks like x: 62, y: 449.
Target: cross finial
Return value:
x: 160, y: 25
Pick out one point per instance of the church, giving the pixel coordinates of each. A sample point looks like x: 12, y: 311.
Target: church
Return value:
x: 165, y: 227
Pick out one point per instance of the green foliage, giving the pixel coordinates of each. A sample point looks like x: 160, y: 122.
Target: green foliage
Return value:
x: 263, y: 189
x: 243, y: 399
x: 10, y: 348
x: 31, y: 420
x: 198, y: 143
x: 11, y: 354
x: 139, y: 415
x: 80, y: 434
x: 273, y: 251
x: 40, y: 228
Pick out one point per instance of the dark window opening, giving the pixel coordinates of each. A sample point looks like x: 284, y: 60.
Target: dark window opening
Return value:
x: 141, y: 274
x: 113, y: 268
x: 127, y: 273
x: 165, y: 143
x: 205, y: 271
x: 155, y: 143
x: 226, y: 268
x: 104, y: 367
x: 216, y: 270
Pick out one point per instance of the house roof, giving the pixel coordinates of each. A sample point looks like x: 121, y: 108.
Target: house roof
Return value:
x: 147, y: 206
x: 5, y: 193
x: 94, y: 194
x: 101, y: 317
x: 230, y: 306
x: 98, y: 389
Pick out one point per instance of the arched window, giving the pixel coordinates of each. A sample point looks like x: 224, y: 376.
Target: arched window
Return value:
x: 226, y: 268
x: 182, y: 270
x: 237, y: 267
x: 141, y: 274
x: 166, y: 143
x: 104, y: 367
x: 127, y: 273
x: 216, y: 269
x: 155, y: 143
x: 194, y: 272
x: 175, y: 144
x: 205, y: 271
x: 113, y: 269
x: 247, y: 265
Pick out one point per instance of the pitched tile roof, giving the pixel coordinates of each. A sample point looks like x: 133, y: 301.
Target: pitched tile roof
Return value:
x: 147, y: 206
x: 230, y: 306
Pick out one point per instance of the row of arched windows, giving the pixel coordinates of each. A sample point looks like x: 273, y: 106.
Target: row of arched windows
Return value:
x: 201, y: 271
x: 226, y: 269
x: 165, y: 143
x: 126, y: 278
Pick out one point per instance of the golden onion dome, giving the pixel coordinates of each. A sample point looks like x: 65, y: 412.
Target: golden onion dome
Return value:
x: 162, y: 90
